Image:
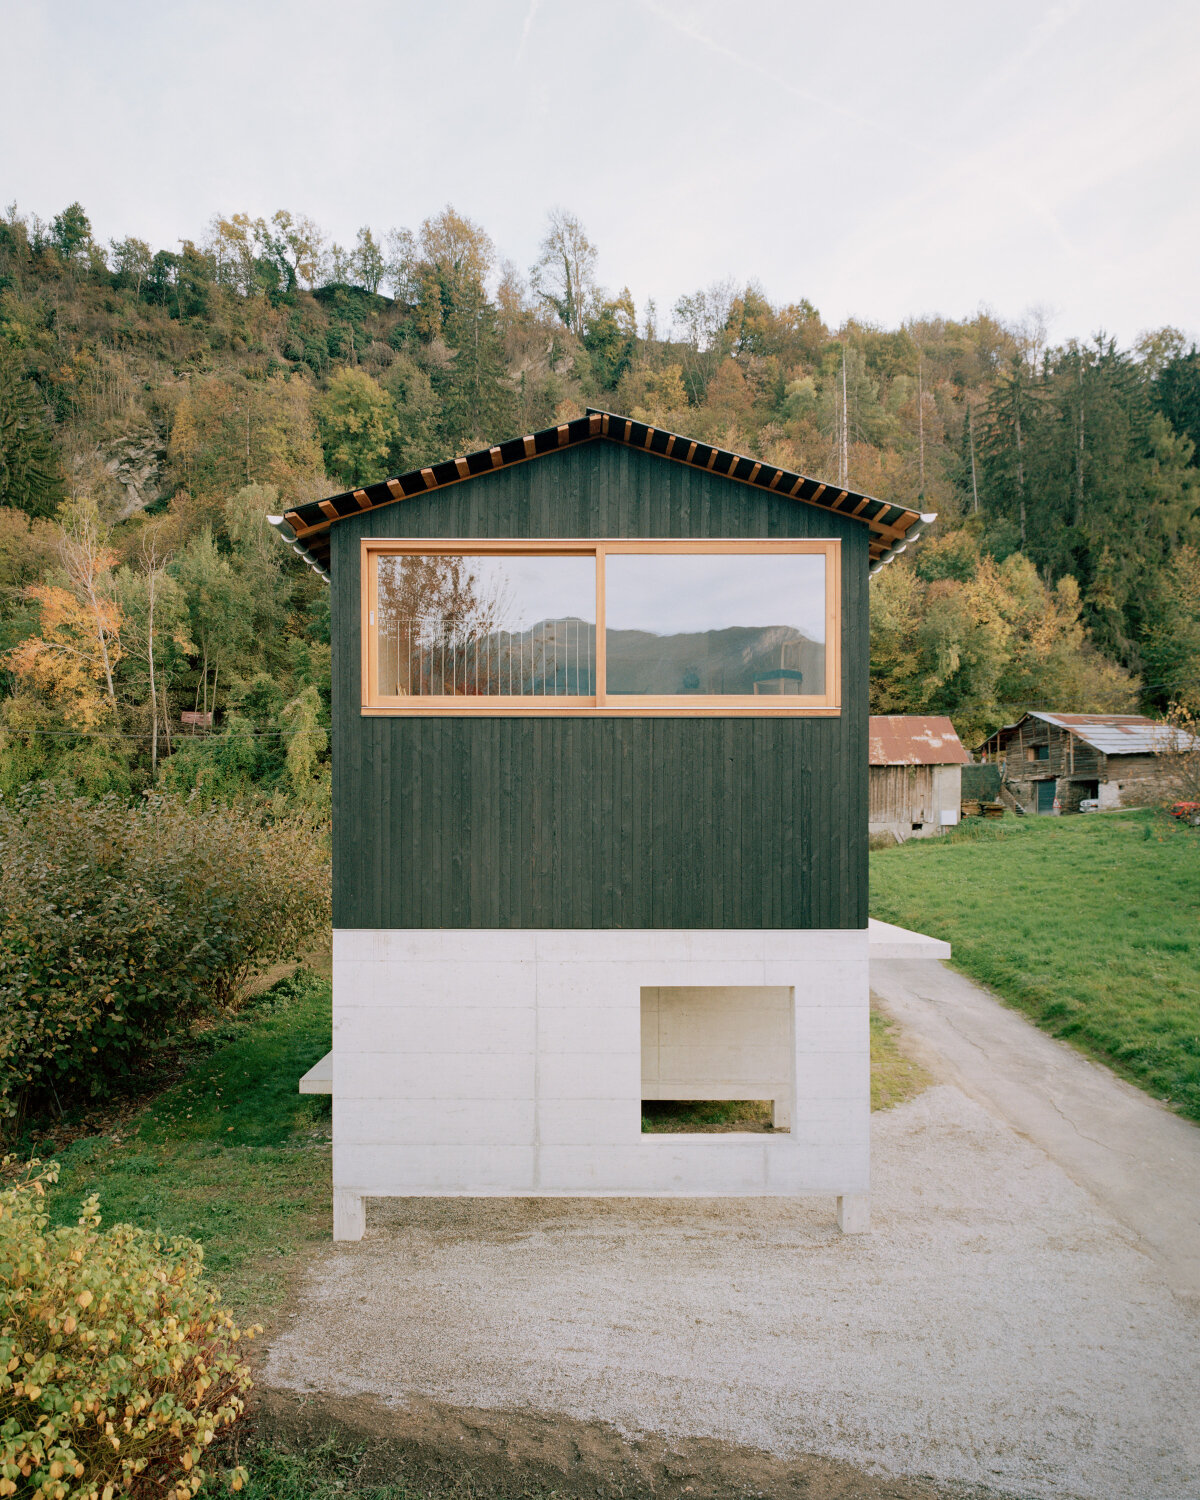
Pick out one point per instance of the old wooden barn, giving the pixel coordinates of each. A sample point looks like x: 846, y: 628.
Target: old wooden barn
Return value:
x: 599, y: 818
x: 1054, y: 762
x: 915, y: 777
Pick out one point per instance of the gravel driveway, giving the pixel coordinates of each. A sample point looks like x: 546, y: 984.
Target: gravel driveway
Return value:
x: 997, y: 1328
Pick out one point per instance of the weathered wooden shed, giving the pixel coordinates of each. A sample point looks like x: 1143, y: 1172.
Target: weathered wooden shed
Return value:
x: 599, y: 818
x: 916, y: 775
x: 1053, y: 762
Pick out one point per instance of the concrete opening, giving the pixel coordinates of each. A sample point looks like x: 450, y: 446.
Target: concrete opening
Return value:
x: 715, y: 1043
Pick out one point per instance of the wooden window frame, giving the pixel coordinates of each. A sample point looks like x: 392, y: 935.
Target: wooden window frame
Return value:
x: 827, y: 704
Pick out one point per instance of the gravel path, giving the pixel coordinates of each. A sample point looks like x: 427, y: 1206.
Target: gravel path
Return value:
x: 1137, y: 1158
x: 998, y: 1327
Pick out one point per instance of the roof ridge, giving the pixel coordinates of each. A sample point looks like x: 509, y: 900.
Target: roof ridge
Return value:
x: 893, y: 527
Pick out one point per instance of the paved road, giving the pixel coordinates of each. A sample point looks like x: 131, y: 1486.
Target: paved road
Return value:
x: 1141, y: 1161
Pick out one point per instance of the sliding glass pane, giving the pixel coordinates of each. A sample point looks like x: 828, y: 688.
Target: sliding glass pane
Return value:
x: 470, y: 626
x: 715, y: 624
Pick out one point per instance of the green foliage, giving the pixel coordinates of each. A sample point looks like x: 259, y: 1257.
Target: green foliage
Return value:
x: 1177, y: 395
x: 29, y: 471
x: 1087, y: 924
x: 71, y: 231
x: 266, y: 360
x: 358, y: 427
x: 416, y: 411
x: 1171, y: 645
x: 118, y: 1366
x: 123, y: 925
x: 329, y: 1471
x: 610, y: 337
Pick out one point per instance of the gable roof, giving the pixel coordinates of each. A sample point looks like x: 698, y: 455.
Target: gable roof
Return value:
x: 913, y: 740
x: 1111, y: 734
x: 892, y: 526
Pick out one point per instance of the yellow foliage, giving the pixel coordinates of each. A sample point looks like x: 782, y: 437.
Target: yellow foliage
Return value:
x: 958, y: 633
x: 655, y: 396
x: 64, y: 661
x: 121, y: 1402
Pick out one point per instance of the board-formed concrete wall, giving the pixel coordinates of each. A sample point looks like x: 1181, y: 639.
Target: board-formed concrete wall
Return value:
x: 510, y: 1062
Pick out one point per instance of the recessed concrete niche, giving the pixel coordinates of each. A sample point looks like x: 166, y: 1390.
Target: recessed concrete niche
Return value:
x: 720, y: 1042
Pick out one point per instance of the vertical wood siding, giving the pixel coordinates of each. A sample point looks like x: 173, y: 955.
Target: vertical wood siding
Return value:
x: 599, y: 822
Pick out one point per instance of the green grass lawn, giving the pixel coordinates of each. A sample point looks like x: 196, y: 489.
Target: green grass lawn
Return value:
x: 1091, y: 925
x: 232, y: 1155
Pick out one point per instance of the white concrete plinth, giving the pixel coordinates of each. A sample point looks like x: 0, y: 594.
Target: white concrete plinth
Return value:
x: 514, y: 1063
x: 349, y: 1215
x: 888, y: 941
x: 319, y: 1078
x: 854, y: 1213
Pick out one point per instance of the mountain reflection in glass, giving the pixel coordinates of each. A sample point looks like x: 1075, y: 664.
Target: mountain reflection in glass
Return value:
x: 471, y: 626
x: 715, y: 624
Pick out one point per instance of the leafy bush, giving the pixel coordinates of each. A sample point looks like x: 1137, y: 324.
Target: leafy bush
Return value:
x: 117, y: 1366
x: 123, y: 924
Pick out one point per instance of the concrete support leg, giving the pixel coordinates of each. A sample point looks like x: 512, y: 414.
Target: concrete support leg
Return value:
x: 854, y: 1213
x: 349, y: 1215
x: 781, y: 1114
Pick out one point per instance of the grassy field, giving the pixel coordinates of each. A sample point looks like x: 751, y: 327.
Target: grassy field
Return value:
x: 232, y: 1155
x: 1091, y: 925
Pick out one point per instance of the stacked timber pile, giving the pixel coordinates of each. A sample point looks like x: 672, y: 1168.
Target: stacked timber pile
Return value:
x: 975, y: 809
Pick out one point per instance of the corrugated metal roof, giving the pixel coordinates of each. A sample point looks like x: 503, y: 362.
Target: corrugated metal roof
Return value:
x: 893, y: 527
x: 914, y: 740
x: 1114, y: 734
x: 1111, y: 734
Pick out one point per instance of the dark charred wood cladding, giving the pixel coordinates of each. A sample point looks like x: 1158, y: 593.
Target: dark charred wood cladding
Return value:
x: 678, y: 822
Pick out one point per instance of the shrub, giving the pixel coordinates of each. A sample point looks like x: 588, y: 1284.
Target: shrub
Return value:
x: 117, y: 1366
x: 123, y: 924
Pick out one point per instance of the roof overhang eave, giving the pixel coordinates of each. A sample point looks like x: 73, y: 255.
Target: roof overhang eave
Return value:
x: 927, y: 518
x: 285, y: 531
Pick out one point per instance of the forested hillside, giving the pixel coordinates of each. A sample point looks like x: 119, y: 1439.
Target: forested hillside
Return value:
x: 155, y: 404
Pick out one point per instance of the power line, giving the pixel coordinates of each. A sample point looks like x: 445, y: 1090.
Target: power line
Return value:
x: 100, y: 734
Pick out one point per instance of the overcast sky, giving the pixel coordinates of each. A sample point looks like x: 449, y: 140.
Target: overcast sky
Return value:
x: 882, y: 160
x: 694, y: 593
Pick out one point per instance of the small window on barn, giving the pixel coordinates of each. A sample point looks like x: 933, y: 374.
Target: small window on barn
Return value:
x: 606, y: 626
x: 1041, y: 752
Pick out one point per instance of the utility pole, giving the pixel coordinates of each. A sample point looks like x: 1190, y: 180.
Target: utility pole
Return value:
x: 1079, y: 453
x: 844, y: 447
x: 971, y: 433
x: 921, y: 422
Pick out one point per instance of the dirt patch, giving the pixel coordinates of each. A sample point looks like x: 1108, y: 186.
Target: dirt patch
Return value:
x: 429, y: 1445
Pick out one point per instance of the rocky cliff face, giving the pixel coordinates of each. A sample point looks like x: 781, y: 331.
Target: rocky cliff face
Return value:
x: 137, y: 464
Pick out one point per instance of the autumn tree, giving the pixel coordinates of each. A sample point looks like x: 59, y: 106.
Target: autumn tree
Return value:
x: 305, y: 244
x: 71, y: 659
x: 610, y: 338
x: 358, y: 427
x: 369, y: 261
x: 228, y: 431
x: 564, y: 274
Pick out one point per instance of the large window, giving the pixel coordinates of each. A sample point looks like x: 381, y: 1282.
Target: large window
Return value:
x: 611, y: 627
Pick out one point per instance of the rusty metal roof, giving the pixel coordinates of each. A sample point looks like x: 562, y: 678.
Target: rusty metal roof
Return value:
x: 892, y: 527
x: 1111, y: 734
x: 914, y: 740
